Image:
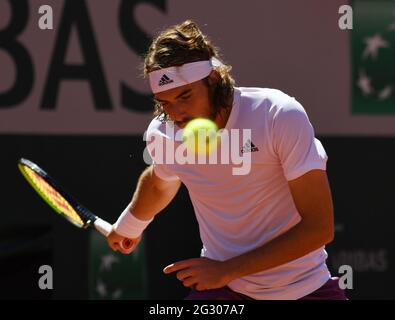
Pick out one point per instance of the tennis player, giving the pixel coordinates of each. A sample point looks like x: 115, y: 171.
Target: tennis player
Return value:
x: 263, y: 233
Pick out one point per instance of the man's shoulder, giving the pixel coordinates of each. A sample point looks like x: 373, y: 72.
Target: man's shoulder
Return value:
x: 156, y: 126
x: 159, y: 127
x: 155, y: 123
x: 263, y: 92
x: 271, y: 100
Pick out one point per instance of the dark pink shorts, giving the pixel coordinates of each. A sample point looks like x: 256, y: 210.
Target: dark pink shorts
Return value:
x: 329, y: 291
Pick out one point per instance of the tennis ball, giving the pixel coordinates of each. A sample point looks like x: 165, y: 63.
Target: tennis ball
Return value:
x: 200, y: 135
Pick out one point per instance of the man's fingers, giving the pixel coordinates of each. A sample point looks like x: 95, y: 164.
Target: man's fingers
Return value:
x: 189, y: 282
x: 117, y: 243
x: 183, y: 274
x: 174, y: 267
x: 114, y: 246
x: 200, y: 287
x: 179, y: 266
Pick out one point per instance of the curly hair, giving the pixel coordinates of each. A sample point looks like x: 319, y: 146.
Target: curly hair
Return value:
x: 185, y: 43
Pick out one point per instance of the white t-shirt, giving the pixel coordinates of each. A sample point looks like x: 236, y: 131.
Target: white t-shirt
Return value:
x: 238, y: 213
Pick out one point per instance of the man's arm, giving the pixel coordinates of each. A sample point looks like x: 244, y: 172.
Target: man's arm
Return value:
x: 312, y: 197
x: 152, y: 194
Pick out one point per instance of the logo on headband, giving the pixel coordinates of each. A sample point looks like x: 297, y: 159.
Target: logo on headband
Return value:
x: 164, y: 80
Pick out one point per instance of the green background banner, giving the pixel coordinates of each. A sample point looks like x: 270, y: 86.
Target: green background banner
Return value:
x: 114, y: 275
x: 373, y: 53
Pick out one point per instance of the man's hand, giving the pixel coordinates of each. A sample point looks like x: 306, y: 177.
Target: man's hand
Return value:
x: 200, y: 273
x: 114, y: 241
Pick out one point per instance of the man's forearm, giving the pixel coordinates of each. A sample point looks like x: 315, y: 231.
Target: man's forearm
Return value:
x: 293, y: 244
x: 149, y: 199
x: 312, y: 197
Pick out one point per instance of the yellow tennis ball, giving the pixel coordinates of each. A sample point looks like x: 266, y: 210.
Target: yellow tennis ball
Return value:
x: 200, y: 135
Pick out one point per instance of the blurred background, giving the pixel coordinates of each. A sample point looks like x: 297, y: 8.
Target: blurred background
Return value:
x: 72, y: 99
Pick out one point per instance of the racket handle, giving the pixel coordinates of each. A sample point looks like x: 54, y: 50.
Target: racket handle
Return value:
x: 105, y: 229
x: 127, y: 244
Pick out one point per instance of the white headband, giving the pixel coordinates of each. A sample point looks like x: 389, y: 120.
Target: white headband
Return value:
x: 173, y: 77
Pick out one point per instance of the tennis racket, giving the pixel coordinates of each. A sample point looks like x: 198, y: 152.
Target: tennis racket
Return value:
x: 64, y: 204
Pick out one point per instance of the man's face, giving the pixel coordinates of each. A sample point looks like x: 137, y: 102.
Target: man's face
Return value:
x: 185, y: 103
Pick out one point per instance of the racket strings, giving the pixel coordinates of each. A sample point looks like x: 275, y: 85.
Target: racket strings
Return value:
x: 58, y: 202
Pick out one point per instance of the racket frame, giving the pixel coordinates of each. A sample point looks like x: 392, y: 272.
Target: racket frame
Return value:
x: 88, y: 218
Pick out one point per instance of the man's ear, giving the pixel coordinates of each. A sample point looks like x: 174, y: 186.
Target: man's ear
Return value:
x: 213, y: 77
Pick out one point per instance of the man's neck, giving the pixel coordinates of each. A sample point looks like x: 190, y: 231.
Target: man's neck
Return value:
x: 222, y: 116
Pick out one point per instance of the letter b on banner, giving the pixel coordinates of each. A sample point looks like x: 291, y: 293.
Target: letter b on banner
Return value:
x: 23, y: 64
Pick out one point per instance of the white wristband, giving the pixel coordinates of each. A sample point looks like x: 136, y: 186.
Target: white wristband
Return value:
x: 129, y: 226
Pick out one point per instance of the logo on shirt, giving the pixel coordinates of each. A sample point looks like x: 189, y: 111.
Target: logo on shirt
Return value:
x: 249, y: 147
x: 165, y: 80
